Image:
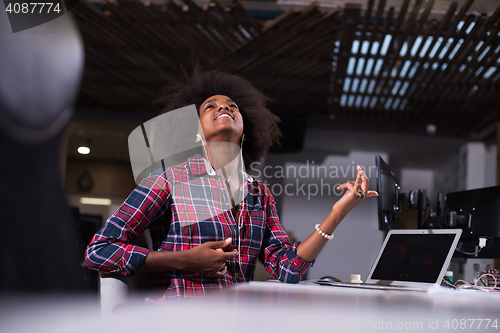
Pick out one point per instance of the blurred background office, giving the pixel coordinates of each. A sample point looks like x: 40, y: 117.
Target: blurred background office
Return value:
x: 415, y: 81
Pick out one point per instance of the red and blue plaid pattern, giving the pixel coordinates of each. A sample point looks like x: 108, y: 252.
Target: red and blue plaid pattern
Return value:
x: 184, y: 206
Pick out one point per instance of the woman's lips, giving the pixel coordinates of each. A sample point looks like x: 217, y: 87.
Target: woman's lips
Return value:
x: 224, y: 114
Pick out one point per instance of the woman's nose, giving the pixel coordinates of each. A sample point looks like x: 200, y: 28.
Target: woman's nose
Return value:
x: 223, y: 107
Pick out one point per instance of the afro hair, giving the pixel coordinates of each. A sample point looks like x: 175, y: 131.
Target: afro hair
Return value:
x: 260, y: 125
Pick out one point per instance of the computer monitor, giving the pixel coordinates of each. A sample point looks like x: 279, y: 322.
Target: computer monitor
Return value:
x: 476, y: 211
x: 388, y: 188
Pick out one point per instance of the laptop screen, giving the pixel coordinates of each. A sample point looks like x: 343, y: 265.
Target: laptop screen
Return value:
x: 413, y: 257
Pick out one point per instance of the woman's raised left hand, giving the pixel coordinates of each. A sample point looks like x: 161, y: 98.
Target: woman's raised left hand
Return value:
x: 357, y: 191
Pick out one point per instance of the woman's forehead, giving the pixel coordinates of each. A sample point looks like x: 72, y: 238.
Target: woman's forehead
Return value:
x: 218, y: 98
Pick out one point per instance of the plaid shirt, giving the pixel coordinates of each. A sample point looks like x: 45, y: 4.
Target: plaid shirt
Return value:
x: 185, y: 206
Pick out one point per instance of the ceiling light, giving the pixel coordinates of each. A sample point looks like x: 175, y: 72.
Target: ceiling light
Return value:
x: 431, y: 129
x: 95, y: 201
x: 84, y: 150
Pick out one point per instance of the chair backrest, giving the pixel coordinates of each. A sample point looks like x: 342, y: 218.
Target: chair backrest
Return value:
x: 41, y: 69
x: 115, y: 290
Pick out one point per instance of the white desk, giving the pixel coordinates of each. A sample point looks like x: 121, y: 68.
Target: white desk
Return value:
x: 324, y: 308
x: 262, y: 307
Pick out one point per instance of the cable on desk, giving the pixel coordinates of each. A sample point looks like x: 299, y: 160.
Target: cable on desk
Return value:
x: 461, y: 284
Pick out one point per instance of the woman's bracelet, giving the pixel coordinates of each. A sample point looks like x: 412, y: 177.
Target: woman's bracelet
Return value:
x: 322, y: 233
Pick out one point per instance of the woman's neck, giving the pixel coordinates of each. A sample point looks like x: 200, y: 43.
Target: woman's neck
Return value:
x: 224, y: 158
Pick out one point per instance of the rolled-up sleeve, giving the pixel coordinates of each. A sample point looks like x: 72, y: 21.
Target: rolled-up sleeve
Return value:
x: 110, y: 250
x: 278, y: 255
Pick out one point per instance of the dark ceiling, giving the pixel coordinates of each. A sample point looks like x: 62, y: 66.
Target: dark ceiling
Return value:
x: 387, y: 68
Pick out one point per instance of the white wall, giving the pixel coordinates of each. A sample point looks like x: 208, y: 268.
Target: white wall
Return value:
x: 490, y: 173
x: 479, y: 168
x: 475, y: 161
x: 357, y: 239
x: 473, y: 166
x: 416, y: 179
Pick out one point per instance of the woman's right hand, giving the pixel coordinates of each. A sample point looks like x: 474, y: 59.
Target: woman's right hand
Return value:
x: 206, y: 259
x: 209, y: 259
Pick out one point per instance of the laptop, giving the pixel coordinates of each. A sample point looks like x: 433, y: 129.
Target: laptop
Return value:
x: 410, y: 260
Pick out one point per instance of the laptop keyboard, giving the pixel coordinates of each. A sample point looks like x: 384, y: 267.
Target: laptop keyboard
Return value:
x: 366, y: 285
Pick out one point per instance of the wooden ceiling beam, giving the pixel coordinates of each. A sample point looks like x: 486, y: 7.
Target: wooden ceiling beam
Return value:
x: 348, y: 26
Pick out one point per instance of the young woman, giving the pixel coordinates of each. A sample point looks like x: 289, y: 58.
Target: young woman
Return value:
x: 209, y: 220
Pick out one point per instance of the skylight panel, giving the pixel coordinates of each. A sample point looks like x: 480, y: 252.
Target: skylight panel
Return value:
x: 445, y: 48
x: 359, y: 99
x: 483, y: 53
x: 364, y: 47
x: 436, y: 47
x: 369, y: 66
x: 473, y: 90
x: 200, y: 27
x: 478, y: 46
x: 394, y: 71
x: 479, y: 70
x: 489, y: 73
x: 378, y: 66
x: 405, y: 68
x: 395, y: 88
x: 355, y: 47
x: 496, y: 77
x: 455, y: 49
x: 244, y: 31
x: 347, y: 84
x: 354, y: 87
x: 361, y: 63
x: 404, y: 49
x: 425, y: 47
x: 385, y: 44
x: 402, y: 91
x: 366, y: 100
x: 388, y: 103
x: 403, y: 103
x: 362, y: 86
x: 371, y: 86
x: 414, y: 69
x: 416, y: 45
x: 216, y: 33
x: 350, y: 101
x: 350, y: 66
x: 343, y: 100
x: 375, y: 47
x: 396, y: 103
x: 471, y: 26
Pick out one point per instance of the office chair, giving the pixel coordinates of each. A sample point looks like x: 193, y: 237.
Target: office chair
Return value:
x: 41, y: 69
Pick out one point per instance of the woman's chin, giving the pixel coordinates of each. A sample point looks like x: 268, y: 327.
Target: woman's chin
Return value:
x: 225, y: 134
